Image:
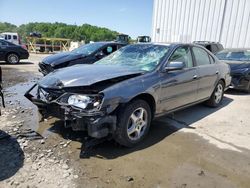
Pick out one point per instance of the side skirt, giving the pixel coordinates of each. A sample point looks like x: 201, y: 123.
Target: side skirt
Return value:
x: 180, y: 108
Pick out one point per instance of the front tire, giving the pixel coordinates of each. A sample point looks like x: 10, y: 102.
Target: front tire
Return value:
x: 133, y: 123
x: 217, y: 96
x: 12, y: 58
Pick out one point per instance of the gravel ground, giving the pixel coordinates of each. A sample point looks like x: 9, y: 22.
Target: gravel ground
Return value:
x: 196, y: 147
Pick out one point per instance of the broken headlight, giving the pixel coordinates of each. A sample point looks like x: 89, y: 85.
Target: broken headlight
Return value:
x: 85, y: 101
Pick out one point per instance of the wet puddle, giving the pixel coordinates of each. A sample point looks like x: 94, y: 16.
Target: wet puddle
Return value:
x: 33, y: 128
x: 14, y: 98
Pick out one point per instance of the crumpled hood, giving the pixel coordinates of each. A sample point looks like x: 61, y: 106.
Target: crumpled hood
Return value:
x: 85, y: 75
x: 235, y: 65
x: 59, y: 58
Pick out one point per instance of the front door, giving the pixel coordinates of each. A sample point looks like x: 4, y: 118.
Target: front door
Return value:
x: 179, y: 88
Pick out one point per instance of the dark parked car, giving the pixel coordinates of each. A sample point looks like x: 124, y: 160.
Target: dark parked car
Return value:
x: 122, y: 38
x: 213, y: 47
x: 142, y: 39
x: 36, y: 34
x: 12, y: 53
x: 239, y: 61
x: 121, y: 94
x: 86, y: 54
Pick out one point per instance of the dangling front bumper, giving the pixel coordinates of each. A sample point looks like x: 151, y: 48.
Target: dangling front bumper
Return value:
x: 98, y: 124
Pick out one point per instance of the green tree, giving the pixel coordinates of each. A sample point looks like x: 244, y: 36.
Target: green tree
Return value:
x: 7, y: 27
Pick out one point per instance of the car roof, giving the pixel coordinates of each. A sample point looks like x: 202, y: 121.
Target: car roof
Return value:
x: 171, y: 44
x: 236, y: 49
x: 7, y: 41
x: 9, y: 33
x: 143, y: 36
x: 205, y: 42
x: 109, y: 42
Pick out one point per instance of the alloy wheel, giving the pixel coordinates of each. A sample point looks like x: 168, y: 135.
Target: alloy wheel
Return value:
x: 218, y: 93
x: 138, y: 121
x: 13, y: 58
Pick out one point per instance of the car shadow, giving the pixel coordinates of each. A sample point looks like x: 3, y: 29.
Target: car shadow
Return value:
x: 236, y: 92
x: 159, y: 130
x: 11, y: 157
x: 20, y: 63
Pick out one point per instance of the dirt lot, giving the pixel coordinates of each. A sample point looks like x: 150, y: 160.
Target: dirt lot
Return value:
x: 196, y: 147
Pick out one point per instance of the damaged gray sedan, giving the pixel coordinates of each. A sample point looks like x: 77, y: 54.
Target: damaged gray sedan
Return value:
x: 121, y: 94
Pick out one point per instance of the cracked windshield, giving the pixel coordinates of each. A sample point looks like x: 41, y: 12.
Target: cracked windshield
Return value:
x: 142, y: 57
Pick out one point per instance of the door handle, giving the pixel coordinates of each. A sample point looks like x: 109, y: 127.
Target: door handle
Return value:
x: 195, y: 77
x: 217, y: 72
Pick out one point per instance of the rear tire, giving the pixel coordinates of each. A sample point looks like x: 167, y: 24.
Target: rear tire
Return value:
x: 217, y: 95
x: 12, y: 58
x: 133, y: 123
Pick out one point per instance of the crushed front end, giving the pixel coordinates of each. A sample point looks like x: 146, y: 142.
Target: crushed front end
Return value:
x: 241, y: 79
x: 81, y: 112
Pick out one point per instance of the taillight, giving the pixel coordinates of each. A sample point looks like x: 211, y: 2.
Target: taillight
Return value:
x: 19, y: 39
x: 24, y: 46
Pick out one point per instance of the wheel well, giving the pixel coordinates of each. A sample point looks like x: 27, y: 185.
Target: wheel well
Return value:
x: 11, y: 53
x: 224, y: 82
x: 149, y: 99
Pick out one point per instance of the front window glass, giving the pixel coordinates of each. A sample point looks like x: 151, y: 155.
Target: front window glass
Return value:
x: 87, y: 49
x: 142, y: 57
x: 183, y: 54
x: 243, y: 55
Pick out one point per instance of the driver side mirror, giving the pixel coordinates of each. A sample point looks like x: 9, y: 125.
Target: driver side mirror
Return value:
x: 174, y: 65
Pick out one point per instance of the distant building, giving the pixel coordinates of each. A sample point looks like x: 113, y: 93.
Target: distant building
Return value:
x: 225, y: 21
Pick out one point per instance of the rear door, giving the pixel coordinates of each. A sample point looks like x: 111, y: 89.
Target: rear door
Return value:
x: 207, y: 71
x: 179, y: 88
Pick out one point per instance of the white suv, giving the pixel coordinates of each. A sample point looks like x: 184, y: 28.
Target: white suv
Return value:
x: 11, y: 37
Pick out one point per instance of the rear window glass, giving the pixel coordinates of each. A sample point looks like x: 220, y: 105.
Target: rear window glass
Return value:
x: 243, y: 55
x: 14, y: 37
x: 201, y: 56
x: 214, y: 48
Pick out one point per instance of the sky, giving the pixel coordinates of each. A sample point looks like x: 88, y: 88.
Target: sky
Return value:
x: 132, y: 17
